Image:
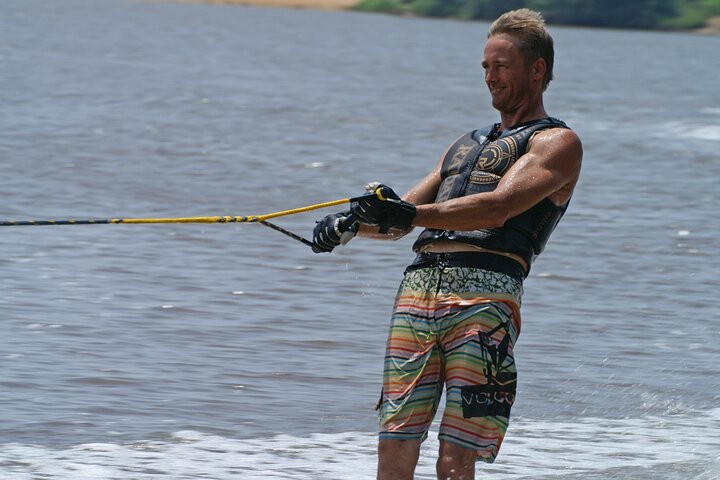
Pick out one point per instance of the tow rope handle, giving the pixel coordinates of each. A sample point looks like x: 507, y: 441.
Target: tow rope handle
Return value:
x: 349, y: 224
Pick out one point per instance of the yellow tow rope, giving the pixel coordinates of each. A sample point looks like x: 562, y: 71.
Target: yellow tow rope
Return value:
x: 215, y: 219
x: 262, y: 219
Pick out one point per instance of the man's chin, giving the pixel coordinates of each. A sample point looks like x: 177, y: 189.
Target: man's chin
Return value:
x: 497, y: 103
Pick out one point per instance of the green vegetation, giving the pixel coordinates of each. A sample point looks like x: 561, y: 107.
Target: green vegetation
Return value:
x: 647, y: 14
x: 383, y: 6
x: 693, y: 13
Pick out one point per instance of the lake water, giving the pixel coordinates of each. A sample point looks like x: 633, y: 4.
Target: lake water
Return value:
x: 232, y: 351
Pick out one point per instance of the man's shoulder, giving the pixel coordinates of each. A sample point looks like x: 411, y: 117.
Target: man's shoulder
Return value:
x: 562, y: 135
x: 558, y: 147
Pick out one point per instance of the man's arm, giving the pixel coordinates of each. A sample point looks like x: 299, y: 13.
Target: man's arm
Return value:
x: 549, y: 169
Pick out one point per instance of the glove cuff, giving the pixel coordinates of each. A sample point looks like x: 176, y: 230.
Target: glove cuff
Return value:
x: 401, y: 216
x: 406, y: 214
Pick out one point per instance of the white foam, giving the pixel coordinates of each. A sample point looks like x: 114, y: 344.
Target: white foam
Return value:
x: 709, y: 132
x: 533, y: 449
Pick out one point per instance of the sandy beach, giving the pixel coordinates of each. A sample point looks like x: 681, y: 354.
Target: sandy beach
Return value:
x: 320, y: 4
x: 712, y: 27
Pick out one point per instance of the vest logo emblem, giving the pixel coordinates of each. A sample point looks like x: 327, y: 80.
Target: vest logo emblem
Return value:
x: 495, y: 159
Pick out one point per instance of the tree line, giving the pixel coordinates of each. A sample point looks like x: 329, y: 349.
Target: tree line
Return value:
x: 645, y: 14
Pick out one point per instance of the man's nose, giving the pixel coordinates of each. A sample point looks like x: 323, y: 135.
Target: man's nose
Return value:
x: 490, y: 74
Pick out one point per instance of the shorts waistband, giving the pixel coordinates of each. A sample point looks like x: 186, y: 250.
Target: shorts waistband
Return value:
x: 483, y: 260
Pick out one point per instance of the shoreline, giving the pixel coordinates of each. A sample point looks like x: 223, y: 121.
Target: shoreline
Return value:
x: 712, y: 27
x: 309, y: 4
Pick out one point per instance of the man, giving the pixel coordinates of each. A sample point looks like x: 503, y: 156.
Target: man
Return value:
x: 488, y: 208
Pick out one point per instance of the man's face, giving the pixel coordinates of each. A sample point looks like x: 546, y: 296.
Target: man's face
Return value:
x: 506, y: 74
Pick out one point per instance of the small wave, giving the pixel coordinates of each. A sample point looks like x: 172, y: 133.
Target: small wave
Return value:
x: 591, y: 448
x: 708, y: 132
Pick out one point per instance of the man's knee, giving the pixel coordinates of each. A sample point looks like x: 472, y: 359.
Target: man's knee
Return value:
x: 455, y: 462
x: 397, y: 459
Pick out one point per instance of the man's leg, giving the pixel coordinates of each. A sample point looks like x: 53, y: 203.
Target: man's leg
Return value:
x: 480, y: 388
x: 412, y: 377
x: 455, y: 462
x: 397, y: 459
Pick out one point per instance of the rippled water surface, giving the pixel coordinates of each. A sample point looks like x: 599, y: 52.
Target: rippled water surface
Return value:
x: 232, y: 351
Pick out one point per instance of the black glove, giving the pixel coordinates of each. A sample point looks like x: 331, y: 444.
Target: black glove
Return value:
x: 384, y: 208
x: 333, y: 230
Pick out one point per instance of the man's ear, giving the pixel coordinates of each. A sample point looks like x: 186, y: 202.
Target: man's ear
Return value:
x: 538, y: 69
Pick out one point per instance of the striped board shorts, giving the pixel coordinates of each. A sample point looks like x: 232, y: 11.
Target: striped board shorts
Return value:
x: 452, y: 327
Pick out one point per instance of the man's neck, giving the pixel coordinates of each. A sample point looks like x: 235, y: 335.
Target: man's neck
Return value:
x: 522, y: 115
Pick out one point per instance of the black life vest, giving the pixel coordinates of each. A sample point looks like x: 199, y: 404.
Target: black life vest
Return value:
x: 475, y: 164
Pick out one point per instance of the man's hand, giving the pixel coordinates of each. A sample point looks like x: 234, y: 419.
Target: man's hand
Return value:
x: 331, y: 231
x: 385, y: 209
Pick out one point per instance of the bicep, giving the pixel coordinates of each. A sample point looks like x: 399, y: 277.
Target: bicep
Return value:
x: 549, y: 169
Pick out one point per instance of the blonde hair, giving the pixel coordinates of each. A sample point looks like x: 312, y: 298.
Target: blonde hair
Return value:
x: 533, y: 40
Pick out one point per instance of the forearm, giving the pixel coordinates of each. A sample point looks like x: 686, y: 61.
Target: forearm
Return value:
x: 371, y: 231
x: 472, y: 212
